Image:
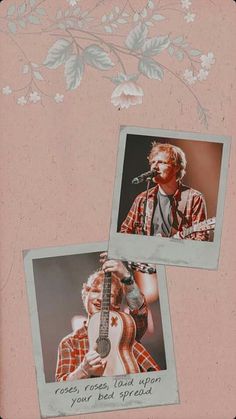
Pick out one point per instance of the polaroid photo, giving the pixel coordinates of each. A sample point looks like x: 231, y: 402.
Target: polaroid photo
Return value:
x: 169, y: 197
x: 101, y: 331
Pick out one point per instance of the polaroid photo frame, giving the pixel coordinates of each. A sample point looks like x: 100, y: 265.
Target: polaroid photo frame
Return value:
x: 206, y: 172
x: 54, y: 278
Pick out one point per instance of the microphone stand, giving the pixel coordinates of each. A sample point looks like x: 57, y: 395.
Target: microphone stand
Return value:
x: 144, y: 217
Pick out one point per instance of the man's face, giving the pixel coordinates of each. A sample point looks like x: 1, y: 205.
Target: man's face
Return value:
x: 94, y: 297
x: 166, y: 170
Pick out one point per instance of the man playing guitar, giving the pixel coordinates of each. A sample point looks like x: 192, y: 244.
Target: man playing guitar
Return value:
x: 170, y: 206
x: 76, y: 360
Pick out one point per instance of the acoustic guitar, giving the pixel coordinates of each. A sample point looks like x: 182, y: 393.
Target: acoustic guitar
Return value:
x: 112, y: 334
x: 205, y: 225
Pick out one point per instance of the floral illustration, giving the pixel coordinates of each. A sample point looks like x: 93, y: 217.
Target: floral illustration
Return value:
x: 126, y: 44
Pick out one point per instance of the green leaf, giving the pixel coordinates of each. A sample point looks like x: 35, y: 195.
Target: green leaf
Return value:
x: 22, y: 9
x: 41, y: 11
x: 95, y: 56
x: 61, y: 25
x: 179, y: 55
x: 12, y: 27
x: 85, y: 13
x: 59, y: 14
x: 171, y: 50
x: 158, y: 18
x: 74, y: 69
x: 136, y: 37
x: 108, y: 29
x: 76, y: 12
x: 144, y: 12
x: 118, y: 79
x: 155, y: 45
x: 195, y: 52
x: 11, y: 10
x: 32, y: 2
x: 34, y: 19
x: 121, y: 20
x: 150, y: 69
x: 59, y: 53
x: 25, y: 69
x: 132, y: 77
x: 22, y: 23
x: 203, y: 115
x: 70, y: 24
x: 150, y: 4
x: 38, y: 75
x: 178, y: 40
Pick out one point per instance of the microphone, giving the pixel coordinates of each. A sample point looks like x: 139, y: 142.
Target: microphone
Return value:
x: 144, y: 176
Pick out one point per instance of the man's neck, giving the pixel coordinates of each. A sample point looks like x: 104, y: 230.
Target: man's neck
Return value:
x: 168, y: 188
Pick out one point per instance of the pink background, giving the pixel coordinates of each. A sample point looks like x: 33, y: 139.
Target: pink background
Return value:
x: 57, y: 175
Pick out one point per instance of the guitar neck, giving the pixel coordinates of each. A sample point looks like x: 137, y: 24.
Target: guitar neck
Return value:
x: 106, y: 298
x: 205, y: 225
x: 187, y: 231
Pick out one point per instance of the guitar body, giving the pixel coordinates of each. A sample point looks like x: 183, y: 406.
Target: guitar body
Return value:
x: 117, y: 349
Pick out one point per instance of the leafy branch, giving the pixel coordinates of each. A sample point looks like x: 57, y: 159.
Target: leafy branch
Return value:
x: 28, y: 12
x: 86, y: 39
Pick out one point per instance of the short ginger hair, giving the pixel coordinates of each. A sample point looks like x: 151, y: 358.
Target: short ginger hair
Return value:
x: 177, y: 156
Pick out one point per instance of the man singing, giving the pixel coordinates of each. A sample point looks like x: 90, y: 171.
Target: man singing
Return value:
x: 75, y: 360
x: 170, y: 206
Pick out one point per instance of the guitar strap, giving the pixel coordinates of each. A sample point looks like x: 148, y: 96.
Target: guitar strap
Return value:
x: 179, y: 214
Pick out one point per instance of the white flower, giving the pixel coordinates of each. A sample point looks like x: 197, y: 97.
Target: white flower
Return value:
x: 58, y: 98
x: 202, y: 75
x: 186, y: 4
x: 189, y: 77
x: 21, y: 101
x: 189, y: 17
x: 126, y: 94
x: 207, y: 60
x: 6, y: 90
x: 34, y: 97
x: 72, y: 2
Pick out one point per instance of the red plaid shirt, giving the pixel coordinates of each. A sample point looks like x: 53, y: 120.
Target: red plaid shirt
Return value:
x: 73, y: 348
x: 194, y: 212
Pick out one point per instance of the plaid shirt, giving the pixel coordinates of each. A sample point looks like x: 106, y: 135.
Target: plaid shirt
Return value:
x: 194, y: 212
x: 73, y: 348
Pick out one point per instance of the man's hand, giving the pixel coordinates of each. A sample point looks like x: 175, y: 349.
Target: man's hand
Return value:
x: 115, y: 266
x: 93, y: 365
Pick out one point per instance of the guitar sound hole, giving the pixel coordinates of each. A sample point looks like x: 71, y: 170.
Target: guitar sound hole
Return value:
x: 103, y: 346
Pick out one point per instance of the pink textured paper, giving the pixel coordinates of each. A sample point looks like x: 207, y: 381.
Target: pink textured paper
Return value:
x: 57, y: 175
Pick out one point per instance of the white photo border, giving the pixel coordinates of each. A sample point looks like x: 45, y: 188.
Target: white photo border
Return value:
x: 163, y: 383
x: 167, y: 251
